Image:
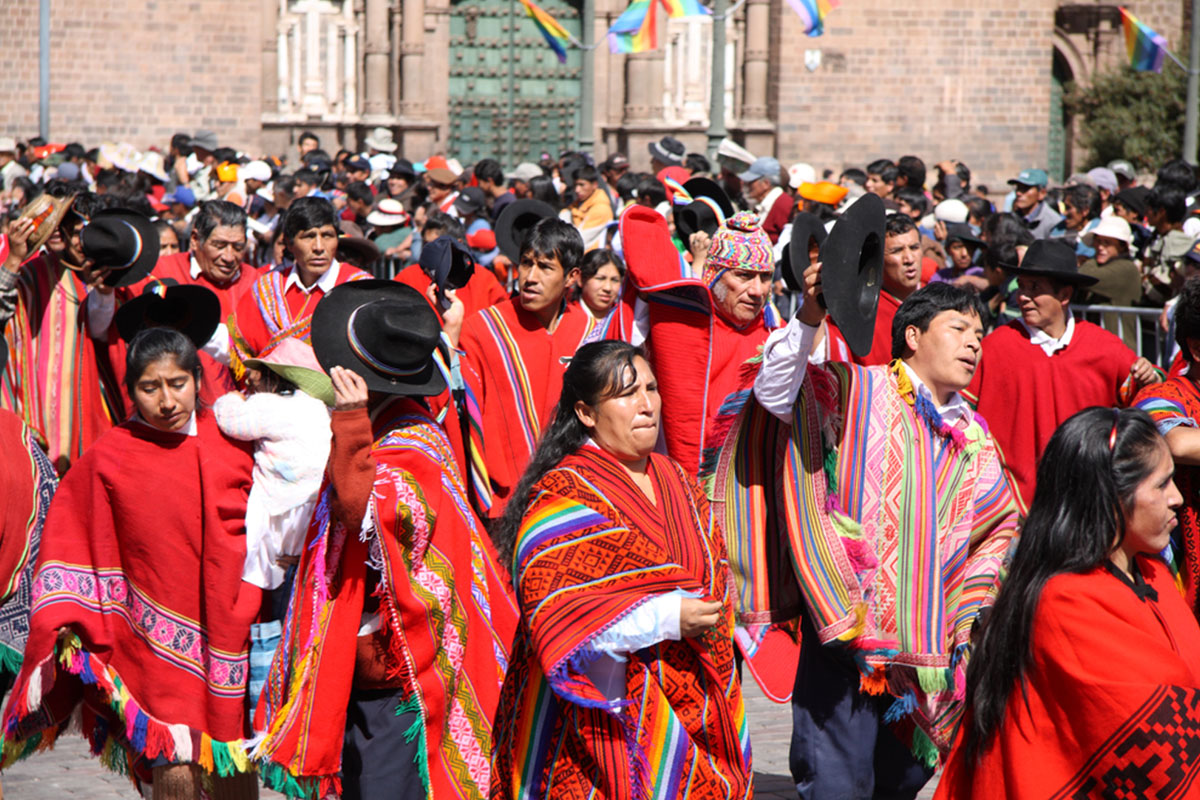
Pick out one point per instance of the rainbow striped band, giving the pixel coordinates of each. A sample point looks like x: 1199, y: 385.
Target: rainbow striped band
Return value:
x: 373, y: 362
x: 137, y: 251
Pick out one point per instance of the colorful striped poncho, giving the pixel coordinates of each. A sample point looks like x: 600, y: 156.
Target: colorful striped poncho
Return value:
x: 53, y: 379
x: 27, y: 483
x: 448, y: 618
x: 591, y: 548
x: 898, y: 525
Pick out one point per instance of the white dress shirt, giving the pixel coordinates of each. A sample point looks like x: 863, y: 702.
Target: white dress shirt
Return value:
x: 1048, y: 343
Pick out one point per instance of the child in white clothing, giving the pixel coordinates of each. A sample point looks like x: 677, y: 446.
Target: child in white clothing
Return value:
x: 288, y: 418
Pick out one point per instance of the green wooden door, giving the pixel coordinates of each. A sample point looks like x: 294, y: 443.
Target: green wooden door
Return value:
x: 497, y: 55
x: 1058, y: 150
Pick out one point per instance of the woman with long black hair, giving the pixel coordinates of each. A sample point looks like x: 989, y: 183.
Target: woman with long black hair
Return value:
x: 621, y: 682
x: 1086, y: 680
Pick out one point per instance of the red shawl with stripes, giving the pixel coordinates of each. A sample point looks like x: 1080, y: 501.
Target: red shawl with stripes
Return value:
x: 591, y: 548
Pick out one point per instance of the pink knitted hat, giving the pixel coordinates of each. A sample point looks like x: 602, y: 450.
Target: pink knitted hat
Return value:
x: 740, y: 243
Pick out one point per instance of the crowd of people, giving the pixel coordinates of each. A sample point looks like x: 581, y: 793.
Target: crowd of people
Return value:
x: 360, y: 476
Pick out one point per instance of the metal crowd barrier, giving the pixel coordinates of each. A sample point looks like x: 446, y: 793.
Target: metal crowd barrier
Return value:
x: 1139, y: 327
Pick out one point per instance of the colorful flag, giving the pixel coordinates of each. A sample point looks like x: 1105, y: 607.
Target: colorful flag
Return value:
x: 554, y: 34
x: 685, y: 8
x: 812, y: 14
x: 1146, y: 48
x: 634, y: 30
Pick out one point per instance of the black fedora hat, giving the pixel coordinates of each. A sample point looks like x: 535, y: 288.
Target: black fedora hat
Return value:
x: 194, y: 311
x: 383, y: 330
x: 852, y: 271
x: 1053, y: 259
x: 515, y: 222
x: 805, y: 228
x: 702, y: 214
x: 447, y: 262
x: 124, y: 241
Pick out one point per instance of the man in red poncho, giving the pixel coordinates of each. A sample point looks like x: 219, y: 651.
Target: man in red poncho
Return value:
x: 703, y: 337
x: 213, y: 261
x: 281, y: 303
x: 397, y: 638
x: 53, y: 379
x: 1037, y: 371
x: 516, y: 352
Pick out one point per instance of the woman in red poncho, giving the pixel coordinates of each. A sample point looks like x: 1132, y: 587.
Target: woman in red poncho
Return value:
x: 140, y: 619
x: 1086, y: 682
x: 621, y: 684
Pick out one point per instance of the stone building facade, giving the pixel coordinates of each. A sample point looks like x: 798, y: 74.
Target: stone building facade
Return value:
x: 977, y: 80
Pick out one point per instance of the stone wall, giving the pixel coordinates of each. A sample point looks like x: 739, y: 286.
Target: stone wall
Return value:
x: 135, y: 71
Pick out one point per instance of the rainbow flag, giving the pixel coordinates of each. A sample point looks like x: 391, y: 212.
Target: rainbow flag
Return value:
x: 1146, y: 48
x: 812, y: 14
x: 554, y: 34
x: 634, y: 30
x: 685, y: 8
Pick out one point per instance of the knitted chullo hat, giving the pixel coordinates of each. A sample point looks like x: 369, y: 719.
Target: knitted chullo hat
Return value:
x: 740, y: 243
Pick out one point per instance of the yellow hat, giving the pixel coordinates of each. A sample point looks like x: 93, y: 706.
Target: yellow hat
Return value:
x: 227, y: 172
x: 823, y: 192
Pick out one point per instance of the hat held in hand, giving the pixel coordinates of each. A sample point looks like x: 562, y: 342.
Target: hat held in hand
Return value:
x: 384, y: 331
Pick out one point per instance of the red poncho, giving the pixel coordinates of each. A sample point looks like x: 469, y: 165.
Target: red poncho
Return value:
x: 481, y: 291
x: 1025, y: 394
x: 704, y: 363
x: 1111, y: 706
x: 515, y: 370
x: 448, y: 616
x: 592, y: 548
x: 139, y: 608
x: 269, y: 313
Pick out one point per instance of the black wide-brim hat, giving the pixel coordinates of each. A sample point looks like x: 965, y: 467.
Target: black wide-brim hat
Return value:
x: 447, y: 262
x: 852, y: 271
x: 698, y: 215
x: 1052, y: 259
x: 124, y: 241
x: 382, y: 330
x: 805, y: 228
x: 194, y: 311
x: 515, y: 221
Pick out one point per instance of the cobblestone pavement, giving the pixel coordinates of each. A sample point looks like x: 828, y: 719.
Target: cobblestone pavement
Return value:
x: 69, y: 772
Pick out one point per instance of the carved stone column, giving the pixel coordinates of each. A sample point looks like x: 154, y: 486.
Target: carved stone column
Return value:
x: 270, y: 56
x: 412, y: 58
x: 756, y: 65
x: 375, y: 63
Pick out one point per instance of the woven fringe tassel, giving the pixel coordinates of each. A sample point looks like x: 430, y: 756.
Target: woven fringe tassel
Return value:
x: 923, y: 749
x: 932, y: 679
x: 874, y: 682
x: 222, y: 762
x: 206, y: 753
x: 417, y: 731
x: 901, y: 708
x: 10, y: 659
